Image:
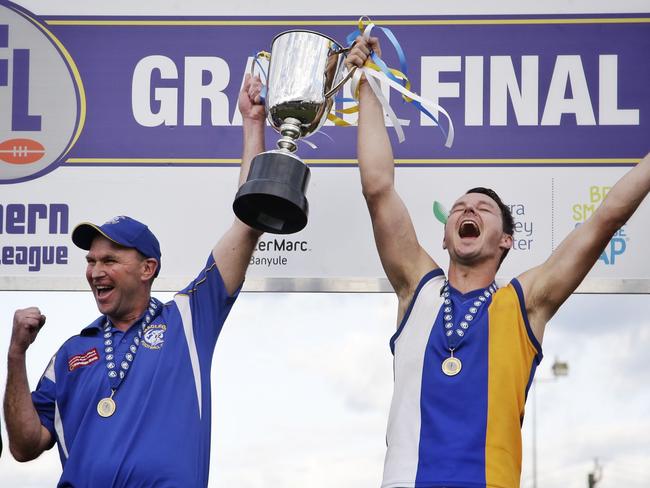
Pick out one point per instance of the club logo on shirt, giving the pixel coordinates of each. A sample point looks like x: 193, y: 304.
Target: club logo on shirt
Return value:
x: 154, y: 336
x: 84, y: 359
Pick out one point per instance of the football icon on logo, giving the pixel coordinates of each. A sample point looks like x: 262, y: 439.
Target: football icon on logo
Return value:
x: 21, y: 151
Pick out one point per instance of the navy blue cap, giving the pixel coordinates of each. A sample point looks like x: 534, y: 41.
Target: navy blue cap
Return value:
x: 122, y: 230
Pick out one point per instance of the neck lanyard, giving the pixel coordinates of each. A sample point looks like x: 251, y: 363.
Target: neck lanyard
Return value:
x: 116, y: 375
x: 454, y: 333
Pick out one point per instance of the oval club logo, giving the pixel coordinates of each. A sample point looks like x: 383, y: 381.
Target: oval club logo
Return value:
x: 41, y: 94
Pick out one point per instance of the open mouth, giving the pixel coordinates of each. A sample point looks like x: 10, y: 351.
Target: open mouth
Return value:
x: 103, y: 290
x: 468, y: 228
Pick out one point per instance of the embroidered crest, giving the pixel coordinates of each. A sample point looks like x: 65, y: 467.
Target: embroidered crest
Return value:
x: 84, y: 359
x: 154, y: 336
x: 115, y: 220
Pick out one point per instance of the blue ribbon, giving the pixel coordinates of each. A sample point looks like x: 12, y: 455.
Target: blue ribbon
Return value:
x: 403, y: 67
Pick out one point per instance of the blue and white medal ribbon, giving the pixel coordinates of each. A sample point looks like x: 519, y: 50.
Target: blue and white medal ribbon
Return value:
x: 451, y: 366
x: 116, y: 375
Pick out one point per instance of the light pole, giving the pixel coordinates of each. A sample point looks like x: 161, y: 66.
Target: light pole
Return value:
x: 596, y: 475
x: 559, y: 368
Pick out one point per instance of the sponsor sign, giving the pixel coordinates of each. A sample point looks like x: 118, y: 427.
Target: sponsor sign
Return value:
x: 138, y: 116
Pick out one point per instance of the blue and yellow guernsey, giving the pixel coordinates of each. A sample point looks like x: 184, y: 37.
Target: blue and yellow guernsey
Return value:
x: 460, y: 431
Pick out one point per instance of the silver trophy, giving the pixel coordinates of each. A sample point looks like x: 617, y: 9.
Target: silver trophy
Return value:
x: 304, y: 68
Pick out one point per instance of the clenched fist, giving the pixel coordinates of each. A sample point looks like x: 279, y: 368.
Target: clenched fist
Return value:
x: 250, y: 100
x: 27, y: 324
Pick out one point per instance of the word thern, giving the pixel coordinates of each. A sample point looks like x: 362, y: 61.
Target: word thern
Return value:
x: 16, y: 218
x: 33, y: 218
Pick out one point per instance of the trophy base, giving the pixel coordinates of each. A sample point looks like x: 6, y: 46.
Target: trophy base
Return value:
x: 273, y: 197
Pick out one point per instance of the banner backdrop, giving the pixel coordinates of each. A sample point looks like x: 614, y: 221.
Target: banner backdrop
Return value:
x: 105, y: 116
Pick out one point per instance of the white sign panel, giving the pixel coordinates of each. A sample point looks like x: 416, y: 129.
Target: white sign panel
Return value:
x: 189, y: 208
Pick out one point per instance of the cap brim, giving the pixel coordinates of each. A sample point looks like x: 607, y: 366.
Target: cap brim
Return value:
x: 84, y: 233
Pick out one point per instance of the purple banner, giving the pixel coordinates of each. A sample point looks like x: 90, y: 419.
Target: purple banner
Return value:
x: 522, y: 90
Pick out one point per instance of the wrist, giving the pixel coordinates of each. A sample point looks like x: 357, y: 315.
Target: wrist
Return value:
x: 253, y: 122
x: 16, y: 353
x: 366, y: 93
x: 253, y: 125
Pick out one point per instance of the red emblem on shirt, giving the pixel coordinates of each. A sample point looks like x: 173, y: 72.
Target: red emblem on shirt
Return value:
x: 84, y: 359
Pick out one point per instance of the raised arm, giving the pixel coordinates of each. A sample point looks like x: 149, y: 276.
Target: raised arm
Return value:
x: 27, y: 436
x: 547, y: 286
x: 403, y: 259
x: 235, y: 248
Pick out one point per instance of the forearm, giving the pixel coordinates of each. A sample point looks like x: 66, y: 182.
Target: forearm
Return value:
x: 23, y: 424
x: 376, y: 164
x: 253, y: 145
x: 233, y: 251
x: 549, y: 285
x: 626, y: 195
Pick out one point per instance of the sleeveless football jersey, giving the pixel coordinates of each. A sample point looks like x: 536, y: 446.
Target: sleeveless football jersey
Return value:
x: 460, y: 431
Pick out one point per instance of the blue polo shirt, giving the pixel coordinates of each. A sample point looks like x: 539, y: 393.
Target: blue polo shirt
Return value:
x: 159, y: 434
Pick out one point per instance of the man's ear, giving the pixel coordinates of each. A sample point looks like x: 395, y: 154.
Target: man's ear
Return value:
x: 506, y: 241
x: 150, y: 265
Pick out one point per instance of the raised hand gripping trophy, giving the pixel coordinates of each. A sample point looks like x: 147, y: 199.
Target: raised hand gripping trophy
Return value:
x: 304, y: 67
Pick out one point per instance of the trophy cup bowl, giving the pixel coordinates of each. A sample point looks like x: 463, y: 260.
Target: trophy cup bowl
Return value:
x: 303, y: 70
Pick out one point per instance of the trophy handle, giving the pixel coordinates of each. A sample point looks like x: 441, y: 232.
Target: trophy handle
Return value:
x: 345, y: 50
x: 261, y: 54
x: 341, y: 83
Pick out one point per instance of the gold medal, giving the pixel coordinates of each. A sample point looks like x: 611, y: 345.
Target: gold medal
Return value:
x: 106, y: 406
x: 451, y: 366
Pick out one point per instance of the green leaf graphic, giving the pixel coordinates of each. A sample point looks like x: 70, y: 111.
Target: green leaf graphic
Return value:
x: 440, y: 212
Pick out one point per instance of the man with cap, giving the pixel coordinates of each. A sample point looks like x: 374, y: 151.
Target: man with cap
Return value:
x: 127, y: 400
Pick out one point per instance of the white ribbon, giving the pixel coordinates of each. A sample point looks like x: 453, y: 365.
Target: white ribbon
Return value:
x: 381, y: 76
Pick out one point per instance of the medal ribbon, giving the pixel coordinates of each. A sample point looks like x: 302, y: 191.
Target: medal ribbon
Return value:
x: 455, y: 336
x: 117, y: 375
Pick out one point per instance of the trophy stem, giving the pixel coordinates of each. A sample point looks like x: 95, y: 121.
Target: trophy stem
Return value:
x: 290, y: 130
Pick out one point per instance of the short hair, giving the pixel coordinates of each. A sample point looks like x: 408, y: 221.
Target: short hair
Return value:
x: 506, y: 215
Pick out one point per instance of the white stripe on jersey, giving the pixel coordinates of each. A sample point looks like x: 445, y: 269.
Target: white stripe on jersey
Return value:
x: 404, y: 420
x: 49, y: 371
x: 50, y: 374
x: 183, y: 303
x: 58, y: 427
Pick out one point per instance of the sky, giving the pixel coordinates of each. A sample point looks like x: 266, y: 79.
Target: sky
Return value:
x: 302, y: 382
